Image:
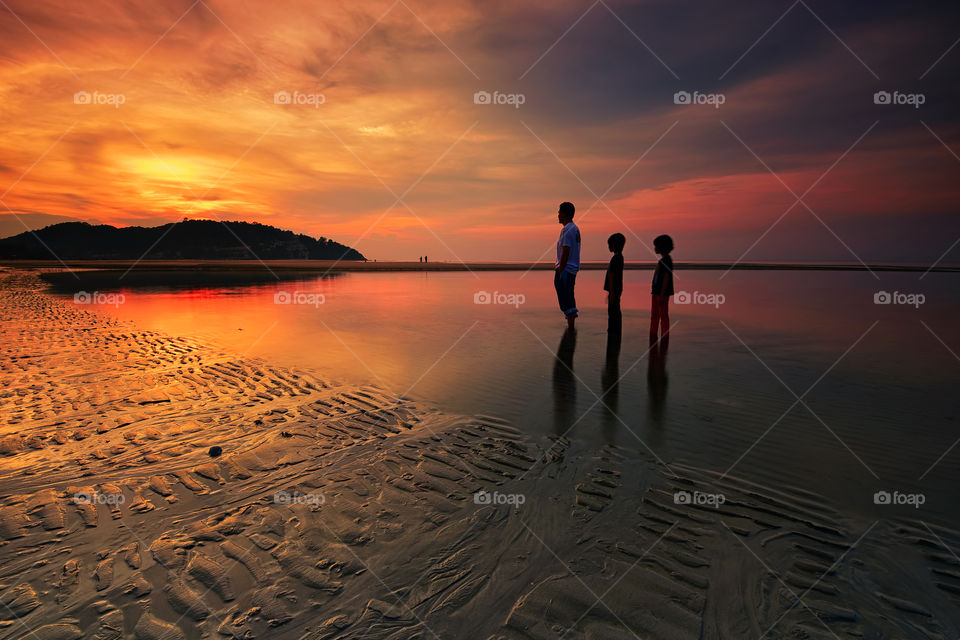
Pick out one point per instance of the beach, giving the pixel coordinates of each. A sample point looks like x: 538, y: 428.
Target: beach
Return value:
x: 479, y: 320
x: 337, y: 510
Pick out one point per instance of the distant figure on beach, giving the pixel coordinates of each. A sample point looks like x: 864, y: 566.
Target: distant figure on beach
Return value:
x: 425, y: 258
x: 421, y: 259
x: 661, y: 289
x: 568, y: 262
x: 613, y: 283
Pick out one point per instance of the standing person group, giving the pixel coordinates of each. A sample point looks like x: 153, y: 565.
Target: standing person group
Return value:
x: 568, y: 264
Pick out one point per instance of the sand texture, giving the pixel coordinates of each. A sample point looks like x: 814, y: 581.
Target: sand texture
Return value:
x: 340, y: 512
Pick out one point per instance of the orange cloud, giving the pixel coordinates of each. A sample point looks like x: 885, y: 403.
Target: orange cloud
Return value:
x: 134, y: 114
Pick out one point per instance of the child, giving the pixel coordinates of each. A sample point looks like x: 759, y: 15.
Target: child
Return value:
x: 568, y: 263
x: 662, y: 288
x: 613, y: 284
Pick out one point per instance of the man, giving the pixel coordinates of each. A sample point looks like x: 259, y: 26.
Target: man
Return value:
x: 568, y: 262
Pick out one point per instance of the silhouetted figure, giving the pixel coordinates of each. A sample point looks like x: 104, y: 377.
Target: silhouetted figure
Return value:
x: 610, y: 385
x: 657, y: 379
x: 564, y: 383
x: 613, y: 283
x: 661, y: 289
x: 421, y: 259
x: 568, y: 262
x: 425, y: 258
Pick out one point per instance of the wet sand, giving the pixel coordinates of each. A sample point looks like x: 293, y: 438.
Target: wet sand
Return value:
x: 343, y: 512
x: 114, y: 274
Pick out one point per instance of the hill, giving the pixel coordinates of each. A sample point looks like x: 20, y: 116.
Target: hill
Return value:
x: 188, y: 240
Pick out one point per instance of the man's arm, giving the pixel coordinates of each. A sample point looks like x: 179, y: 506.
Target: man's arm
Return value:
x: 617, y: 277
x: 564, y: 256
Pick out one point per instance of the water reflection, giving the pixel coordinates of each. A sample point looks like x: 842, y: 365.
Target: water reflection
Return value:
x: 564, y: 383
x: 387, y: 328
x: 610, y: 385
x: 657, y: 380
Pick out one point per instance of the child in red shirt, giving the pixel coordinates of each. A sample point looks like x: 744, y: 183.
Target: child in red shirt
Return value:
x: 661, y: 289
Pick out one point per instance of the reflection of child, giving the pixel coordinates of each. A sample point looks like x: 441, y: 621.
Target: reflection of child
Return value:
x: 662, y: 288
x: 613, y: 284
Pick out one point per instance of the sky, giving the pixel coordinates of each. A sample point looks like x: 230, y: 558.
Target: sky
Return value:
x: 367, y: 122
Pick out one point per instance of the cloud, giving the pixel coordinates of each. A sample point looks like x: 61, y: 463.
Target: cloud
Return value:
x: 198, y: 132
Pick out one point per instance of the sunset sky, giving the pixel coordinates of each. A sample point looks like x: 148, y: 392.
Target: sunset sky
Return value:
x: 400, y: 161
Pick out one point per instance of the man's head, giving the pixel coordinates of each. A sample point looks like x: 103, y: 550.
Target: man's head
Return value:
x: 565, y: 212
x: 616, y: 242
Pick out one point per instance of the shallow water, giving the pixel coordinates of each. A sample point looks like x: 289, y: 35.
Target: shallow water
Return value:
x: 876, y: 383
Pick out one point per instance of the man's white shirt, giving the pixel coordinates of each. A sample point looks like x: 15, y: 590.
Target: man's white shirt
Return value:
x: 569, y: 237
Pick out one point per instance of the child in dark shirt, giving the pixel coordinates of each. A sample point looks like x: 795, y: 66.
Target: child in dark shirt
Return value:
x: 613, y: 284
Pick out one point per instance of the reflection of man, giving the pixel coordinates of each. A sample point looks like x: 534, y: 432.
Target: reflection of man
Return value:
x: 564, y: 383
x: 568, y: 262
